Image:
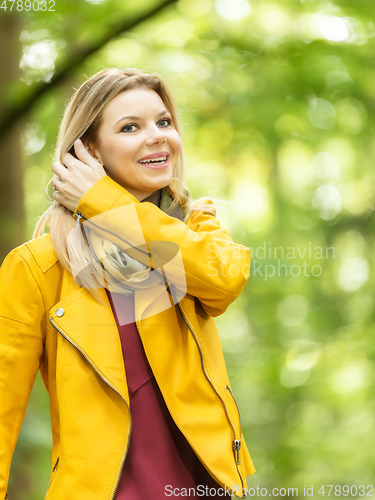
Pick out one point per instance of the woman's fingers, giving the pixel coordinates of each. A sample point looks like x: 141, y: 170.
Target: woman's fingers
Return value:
x: 59, y: 169
x: 75, y: 176
x: 57, y: 196
x: 84, y: 155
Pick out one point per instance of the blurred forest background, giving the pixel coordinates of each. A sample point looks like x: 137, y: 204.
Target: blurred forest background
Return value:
x: 277, y: 99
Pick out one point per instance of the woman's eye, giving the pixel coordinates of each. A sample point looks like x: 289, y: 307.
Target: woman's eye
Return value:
x: 128, y: 128
x: 165, y: 122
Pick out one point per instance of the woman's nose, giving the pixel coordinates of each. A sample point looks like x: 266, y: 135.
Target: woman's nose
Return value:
x: 155, y: 135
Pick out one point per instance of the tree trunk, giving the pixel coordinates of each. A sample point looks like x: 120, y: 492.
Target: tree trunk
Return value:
x: 12, y: 216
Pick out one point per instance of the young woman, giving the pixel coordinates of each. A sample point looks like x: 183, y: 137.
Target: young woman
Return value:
x: 115, y: 307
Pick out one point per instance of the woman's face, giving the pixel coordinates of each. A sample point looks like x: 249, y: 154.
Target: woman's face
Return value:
x: 135, y: 125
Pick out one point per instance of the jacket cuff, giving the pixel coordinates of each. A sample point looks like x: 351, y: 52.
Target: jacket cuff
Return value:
x: 102, y: 197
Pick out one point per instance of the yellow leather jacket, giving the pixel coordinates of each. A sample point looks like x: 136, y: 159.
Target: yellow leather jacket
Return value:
x: 48, y: 322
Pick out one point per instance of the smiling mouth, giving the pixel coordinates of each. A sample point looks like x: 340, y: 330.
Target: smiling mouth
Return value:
x: 154, y: 161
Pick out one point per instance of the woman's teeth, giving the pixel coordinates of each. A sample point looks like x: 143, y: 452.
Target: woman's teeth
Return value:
x: 162, y: 159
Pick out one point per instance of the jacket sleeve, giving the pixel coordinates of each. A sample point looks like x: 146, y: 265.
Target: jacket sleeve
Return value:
x: 215, y: 268
x: 21, y: 348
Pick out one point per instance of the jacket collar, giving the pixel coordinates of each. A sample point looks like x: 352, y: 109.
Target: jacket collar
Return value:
x: 163, y: 199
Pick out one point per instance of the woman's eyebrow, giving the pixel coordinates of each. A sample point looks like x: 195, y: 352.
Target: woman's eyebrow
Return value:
x: 132, y: 117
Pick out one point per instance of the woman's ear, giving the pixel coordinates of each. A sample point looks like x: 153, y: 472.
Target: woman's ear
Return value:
x: 93, y: 152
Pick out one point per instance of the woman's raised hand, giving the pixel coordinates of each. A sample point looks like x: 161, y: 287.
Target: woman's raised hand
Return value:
x: 75, y: 176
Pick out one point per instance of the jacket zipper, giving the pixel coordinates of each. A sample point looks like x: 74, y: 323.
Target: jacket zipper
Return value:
x: 53, y: 471
x: 78, y: 217
x: 236, y: 442
x: 112, y: 387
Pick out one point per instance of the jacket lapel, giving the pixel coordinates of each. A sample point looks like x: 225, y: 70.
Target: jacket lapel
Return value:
x: 89, y: 325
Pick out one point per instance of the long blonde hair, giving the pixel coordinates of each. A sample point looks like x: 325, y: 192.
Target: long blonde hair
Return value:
x: 82, y: 119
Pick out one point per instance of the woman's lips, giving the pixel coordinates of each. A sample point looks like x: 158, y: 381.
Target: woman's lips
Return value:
x: 156, y: 166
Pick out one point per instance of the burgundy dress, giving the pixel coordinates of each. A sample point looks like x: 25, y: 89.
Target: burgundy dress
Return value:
x: 159, y: 458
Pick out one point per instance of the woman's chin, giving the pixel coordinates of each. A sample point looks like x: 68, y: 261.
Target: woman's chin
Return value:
x: 159, y: 181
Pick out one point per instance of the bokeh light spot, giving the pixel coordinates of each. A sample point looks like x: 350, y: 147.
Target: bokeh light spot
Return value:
x: 292, y: 310
x: 324, y: 166
x: 327, y: 202
x: 233, y: 10
x: 33, y: 138
x: 353, y: 273
x: 321, y: 113
x: 333, y: 28
x: 351, y: 378
x: 38, y: 61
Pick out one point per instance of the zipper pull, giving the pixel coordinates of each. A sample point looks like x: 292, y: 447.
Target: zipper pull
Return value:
x: 78, y: 217
x: 236, y: 449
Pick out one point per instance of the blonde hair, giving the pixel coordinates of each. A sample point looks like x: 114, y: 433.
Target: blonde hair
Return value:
x: 82, y: 119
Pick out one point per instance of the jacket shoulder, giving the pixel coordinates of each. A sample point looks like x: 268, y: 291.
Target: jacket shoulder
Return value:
x: 41, y: 250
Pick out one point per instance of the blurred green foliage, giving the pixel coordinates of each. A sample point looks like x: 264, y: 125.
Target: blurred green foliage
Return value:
x: 277, y: 100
